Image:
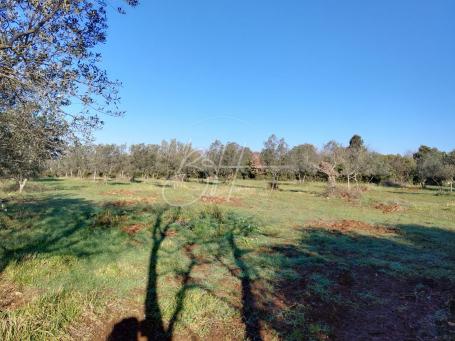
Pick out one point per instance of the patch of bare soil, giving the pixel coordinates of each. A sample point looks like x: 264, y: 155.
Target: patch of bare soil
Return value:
x: 120, y: 192
x: 346, y: 226
x: 119, y: 325
x: 209, y: 199
x: 349, y: 196
x: 372, y: 305
x: 133, y: 229
x: 389, y: 208
x: 10, y: 297
x: 394, y: 308
x: 122, y: 203
x: 363, y: 189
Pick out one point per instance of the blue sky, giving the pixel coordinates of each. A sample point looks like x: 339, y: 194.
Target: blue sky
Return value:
x: 309, y: 71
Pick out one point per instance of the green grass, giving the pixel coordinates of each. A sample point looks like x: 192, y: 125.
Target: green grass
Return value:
x: 72, y: 266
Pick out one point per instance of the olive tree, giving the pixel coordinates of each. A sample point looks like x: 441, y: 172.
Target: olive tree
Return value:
x: 332, y: 158
x: 48, y: 62
x: 355, y: 159
x: 304, y: 159
x: 27, y: 140
x: 274, y: 157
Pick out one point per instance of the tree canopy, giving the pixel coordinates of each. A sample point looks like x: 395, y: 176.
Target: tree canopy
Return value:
x: 48, y: 64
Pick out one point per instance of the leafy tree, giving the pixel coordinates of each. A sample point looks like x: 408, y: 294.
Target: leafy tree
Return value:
x: 27, y: 140
x: 274, y: 156
x: 48, y: 58
x: 429, y: 165
x: 144, y: 159
x: 48, y: 62
x: 356, y: 143
x: 376, y: 168
x: 304, y: 158
x: 355, y: 159
x: 401, y: 167
x: 215, y: 156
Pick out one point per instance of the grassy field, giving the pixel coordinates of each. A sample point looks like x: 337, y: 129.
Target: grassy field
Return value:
x: 94, y: 260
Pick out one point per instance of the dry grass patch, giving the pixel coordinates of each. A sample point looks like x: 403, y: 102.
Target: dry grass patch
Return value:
x: 389, y: 208
x: 133, y: 229
x: 209, y: 199
x: 121, y: 192
x: 132, y: 202
x: 346, y: 226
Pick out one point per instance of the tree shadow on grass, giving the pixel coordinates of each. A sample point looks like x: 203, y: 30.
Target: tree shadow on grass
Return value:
x: 349, y: 284
x: 329, y: 283
x: 154, y: 326
x: 54, y: 225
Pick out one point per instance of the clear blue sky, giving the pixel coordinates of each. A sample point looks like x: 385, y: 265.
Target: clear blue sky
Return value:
x: 309, y: 71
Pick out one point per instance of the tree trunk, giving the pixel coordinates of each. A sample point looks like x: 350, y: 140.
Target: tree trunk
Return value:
x: 332, y: 184
x: 22, y: 185
x: 349, y: 184
x: 94, y: 175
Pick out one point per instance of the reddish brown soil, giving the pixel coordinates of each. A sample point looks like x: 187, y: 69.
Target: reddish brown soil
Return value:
x: 389, y: 208
x: 133, y: 229
x: 123, y: 203
x: 349, y: 196
x: 10, y: 297
x: 372, y: 305
x: 220, y: 200
x: 395, y: 309
x: 122, y: 192
x: 345, y: 226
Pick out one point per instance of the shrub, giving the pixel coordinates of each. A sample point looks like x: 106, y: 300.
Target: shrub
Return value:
x: 212, y: 222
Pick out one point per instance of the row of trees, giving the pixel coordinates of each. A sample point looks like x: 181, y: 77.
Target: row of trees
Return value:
x: 49, y: 63
x: 334, y: 162
x: 166, y: 160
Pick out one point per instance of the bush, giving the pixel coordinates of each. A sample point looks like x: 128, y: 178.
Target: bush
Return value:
x: 348, y: 195
x: 214, y: 222
x: 391, y: 183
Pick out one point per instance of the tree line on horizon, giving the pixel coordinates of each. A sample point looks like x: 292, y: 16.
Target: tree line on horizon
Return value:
x: 50, y: 67
x: 334, y: 162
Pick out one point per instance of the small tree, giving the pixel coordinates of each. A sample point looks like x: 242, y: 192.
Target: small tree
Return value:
x: 402, y: 168
x: 304, y: 157
x: 354, y: 159
x: 429, y: 165
x: 274, y: 157
x: 332, y: 159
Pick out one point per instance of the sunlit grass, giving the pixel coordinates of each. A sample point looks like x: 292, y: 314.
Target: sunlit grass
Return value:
x: 66, y: 250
